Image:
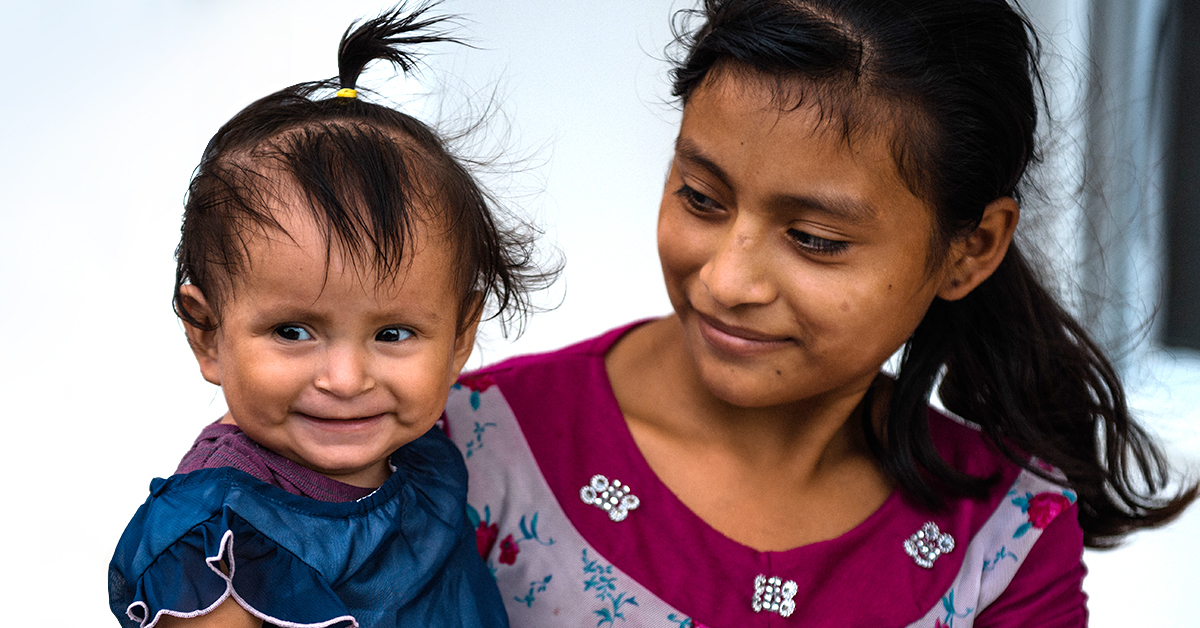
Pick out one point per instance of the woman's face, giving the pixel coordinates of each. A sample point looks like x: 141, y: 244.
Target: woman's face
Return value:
x: 797, y: 261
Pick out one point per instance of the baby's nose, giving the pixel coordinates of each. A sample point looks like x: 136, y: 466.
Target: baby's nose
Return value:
x: 345, y: 372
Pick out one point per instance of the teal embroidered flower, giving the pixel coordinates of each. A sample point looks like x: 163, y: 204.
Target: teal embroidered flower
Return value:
x: 601, y: 580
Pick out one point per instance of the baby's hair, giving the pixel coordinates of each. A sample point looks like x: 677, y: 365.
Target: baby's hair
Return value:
x: 366, y: 172
x: 960, y: 81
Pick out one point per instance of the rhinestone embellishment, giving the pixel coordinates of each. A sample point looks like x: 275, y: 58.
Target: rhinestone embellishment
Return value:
x: 773, y: 595
x: 927, y: 544
x: 613, y: 498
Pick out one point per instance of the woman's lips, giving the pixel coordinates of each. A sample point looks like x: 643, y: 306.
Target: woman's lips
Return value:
x: 737, y: 340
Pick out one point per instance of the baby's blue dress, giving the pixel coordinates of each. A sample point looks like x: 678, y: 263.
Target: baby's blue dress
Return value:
x: 402, y: 556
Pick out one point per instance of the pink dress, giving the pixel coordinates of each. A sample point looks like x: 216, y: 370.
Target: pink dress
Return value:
x: 579, y: 531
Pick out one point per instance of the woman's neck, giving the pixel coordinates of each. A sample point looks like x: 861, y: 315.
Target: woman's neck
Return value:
x: 732, y: 465
x: 658, y: 387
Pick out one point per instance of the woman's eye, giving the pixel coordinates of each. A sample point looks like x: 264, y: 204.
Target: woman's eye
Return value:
x: 814, y: 244
x: 292, y: 332
x: 393, y: 334
x: 696, y: 200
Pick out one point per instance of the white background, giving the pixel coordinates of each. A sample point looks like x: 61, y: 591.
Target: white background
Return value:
x: 107, y: 109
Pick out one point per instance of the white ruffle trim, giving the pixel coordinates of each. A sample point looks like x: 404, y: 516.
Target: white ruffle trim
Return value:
x: 214, y: 563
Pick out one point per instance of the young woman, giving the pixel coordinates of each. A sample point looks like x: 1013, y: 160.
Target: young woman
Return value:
x: 845, y: 184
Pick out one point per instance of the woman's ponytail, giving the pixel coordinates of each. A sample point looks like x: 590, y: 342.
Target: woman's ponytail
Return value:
x: 1022, y: 368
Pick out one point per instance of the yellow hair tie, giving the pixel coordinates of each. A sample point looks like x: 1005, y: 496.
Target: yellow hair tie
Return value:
x: 346, y: 92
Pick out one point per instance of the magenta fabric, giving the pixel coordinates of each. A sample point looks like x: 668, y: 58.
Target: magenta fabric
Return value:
x: 568, y: 415
x: 1042, y: 584
x: 224, y: 445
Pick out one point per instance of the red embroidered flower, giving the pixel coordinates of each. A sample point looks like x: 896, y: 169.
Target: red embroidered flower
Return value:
x: 508, y: 550
x: 477, y: 383
x: 1044, y: 507
x: 485, y: 538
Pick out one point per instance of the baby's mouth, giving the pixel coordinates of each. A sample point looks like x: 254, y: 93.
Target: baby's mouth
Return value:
x: 343, y: 422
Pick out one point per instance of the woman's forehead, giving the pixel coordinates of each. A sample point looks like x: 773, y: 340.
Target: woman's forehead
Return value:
x: 852, y: 107
x: 858, y: 116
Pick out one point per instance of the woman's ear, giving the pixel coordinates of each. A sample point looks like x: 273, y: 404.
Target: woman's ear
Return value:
x: 974, y: 258
x: 202, y: 341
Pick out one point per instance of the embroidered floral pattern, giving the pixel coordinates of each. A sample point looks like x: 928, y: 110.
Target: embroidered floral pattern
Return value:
x: 535, y: 587
x: 485, y: 538
x: 487, y: 532
x: 952, y: 613
x: 1041, y: 509
x: 476, y: 443
x: 601, y: 580
x: 508, y: 550
x: 530, y: 533
x: 684, y: 622
x: 989, y: 565
x: 476, y: 384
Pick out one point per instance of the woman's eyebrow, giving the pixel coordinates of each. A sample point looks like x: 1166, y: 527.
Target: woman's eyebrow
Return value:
x: 848, y: 209
x: 688, y: 150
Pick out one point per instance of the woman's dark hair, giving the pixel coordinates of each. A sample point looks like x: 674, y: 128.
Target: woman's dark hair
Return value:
x: 959, y: 80
x: 367, y: 172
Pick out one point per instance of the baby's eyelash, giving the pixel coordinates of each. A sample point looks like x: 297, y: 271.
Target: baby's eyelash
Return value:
x: 393, y: 334
x: 292, y: 332
x: 817, y: 245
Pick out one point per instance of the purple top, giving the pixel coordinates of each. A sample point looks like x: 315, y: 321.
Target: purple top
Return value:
x: 536, y: 430
x: 224, y: 445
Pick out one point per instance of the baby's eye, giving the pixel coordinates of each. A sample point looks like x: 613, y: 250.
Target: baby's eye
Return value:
x: 814, y: 244
x: 393, y: 334
x: 292, y: 332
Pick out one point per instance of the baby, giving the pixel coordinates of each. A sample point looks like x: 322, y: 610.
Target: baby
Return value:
x: 334, y: 264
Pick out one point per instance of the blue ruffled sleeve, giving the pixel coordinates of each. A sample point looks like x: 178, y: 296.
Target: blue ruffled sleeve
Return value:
x: 168, y: 561
x: 403, y: 555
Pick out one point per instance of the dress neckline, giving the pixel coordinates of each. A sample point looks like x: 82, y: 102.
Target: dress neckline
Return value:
x: 569, y: 417
x: 612, y: 421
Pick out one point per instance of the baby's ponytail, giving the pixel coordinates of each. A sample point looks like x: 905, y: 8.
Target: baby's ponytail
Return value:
x: 394, y: 36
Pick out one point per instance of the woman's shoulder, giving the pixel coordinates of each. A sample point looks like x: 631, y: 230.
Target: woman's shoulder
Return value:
x: 588, y: 350
x: 539, y: 387
x: 965, y: 447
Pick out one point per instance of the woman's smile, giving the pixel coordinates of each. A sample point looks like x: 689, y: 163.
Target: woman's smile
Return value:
x: 795, y: 257
x: 736, y: 340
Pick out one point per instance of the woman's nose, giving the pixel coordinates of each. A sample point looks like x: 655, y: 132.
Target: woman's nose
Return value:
x: 345, y: 372
x: 738, y: 272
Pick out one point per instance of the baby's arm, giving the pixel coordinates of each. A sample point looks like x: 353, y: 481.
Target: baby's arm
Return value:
x: 229, y: 614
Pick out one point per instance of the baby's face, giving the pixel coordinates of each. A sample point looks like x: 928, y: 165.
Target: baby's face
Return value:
x: 325, y: 365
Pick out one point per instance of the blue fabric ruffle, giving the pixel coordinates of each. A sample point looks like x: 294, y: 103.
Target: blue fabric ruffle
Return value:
x: 404, y: 555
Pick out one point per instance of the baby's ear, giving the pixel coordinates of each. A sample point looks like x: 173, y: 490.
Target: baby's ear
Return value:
x: 465, y: 342
x: 203, y: 341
